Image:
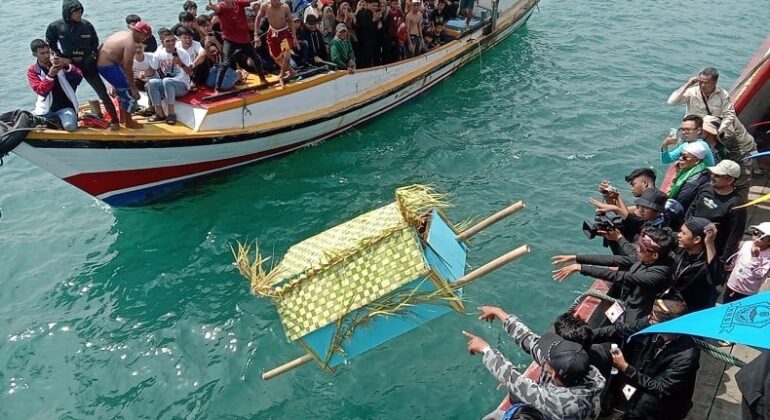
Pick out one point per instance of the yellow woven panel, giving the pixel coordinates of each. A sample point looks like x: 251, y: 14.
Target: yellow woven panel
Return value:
x: 352, y: 283
x: 338, y: 242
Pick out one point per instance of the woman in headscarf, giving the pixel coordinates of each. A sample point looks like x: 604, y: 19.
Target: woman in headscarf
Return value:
x: 328, y: 22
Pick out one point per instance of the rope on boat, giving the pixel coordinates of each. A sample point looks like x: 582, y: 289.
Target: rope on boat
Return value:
x: 712, y: 350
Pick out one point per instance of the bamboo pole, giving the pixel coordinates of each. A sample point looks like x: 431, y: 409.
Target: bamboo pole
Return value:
x: 491, y: 266
x: 270, y: 374
x: 489, y: 221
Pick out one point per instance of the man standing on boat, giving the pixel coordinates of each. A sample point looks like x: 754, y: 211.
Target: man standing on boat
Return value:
x: 341, y: 50
x: 116, y: 63
x: 55, y: 85
x: 281, y: 36
x: 235, y: 34
x: 75, y: 41
x: 413, y: 21
x: 568, y: 388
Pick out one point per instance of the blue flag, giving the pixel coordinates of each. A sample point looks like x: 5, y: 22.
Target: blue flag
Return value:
x: 745, y: 321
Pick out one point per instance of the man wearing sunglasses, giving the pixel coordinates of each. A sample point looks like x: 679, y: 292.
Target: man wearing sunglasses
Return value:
x: 640, y: 274
x: 715, y: 201
x: 690, y: 131
x: 657, y: 371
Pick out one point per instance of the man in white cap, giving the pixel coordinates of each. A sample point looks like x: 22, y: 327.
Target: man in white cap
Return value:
x: 690, y: 174
x: 752, y: 265
x: 341, y: 50
x: 716, y: 201
x: 737, y: 144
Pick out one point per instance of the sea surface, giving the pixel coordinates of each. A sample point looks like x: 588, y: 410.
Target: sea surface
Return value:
x: 139, y: 313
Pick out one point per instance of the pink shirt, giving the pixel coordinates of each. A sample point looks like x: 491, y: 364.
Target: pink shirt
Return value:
x: 749, y: 272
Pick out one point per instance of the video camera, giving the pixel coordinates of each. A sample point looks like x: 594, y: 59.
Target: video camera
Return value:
x: 602, y: 222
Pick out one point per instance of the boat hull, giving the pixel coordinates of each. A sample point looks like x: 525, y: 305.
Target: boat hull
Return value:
x: 130, y: 172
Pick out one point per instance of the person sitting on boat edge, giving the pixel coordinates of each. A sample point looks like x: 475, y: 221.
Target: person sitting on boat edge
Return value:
x: 639, y: 274
x: 144, y: 68
x: 116, y: 62
x: 281, y: 36
x: 236, y: 37
x: 733, y: 145
x: 341, y: 50
x: 698, y: 271
x: 175, y: 68
x: 716, y: 201
x: 150, y: 43
x: 314, y: 52
x: 205, y: 73
x: 568, y: 387
x: 656, y: 372
x: 75, y: 41
x: 55, y: 84
x: 691, y: 174
x: 690, y: 130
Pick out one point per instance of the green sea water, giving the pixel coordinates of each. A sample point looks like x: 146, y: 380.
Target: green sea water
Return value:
x: 138, y: 313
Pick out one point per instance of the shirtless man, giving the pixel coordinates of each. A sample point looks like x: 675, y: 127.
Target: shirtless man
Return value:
x: 281, y: 36
x: 414, y: 27
x: 116, y: 62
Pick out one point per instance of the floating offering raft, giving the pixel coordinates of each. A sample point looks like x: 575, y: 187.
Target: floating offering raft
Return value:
x: 364, y: 282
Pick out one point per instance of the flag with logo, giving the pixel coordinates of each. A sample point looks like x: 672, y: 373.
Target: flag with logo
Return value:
x: 745, y: 321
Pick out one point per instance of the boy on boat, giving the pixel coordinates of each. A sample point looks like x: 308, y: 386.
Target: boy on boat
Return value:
x: 75, y: 41
x: 341, y: 50
x: 55, y: 84
x: 175, y: 68
x: 235, y: 34
x: 151, y: 43
x: 414, y: 42
x: 116, y: 62
x: 751, y: 265
x: 281, y: 36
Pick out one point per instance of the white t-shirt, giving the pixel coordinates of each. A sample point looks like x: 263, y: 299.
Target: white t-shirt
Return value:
x: 146, y: 64
x: 165, y: 62
x: 310, y: 10
x: 194, y: 49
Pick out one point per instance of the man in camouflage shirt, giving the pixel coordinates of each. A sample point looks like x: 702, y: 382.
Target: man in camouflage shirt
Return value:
x: 568, y: 387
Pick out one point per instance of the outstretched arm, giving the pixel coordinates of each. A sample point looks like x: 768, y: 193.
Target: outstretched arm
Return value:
x: 214, y: 7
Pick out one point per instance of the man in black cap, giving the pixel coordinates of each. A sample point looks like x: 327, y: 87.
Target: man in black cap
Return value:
x: 640, y: 179
x: 312, y: 42
x: 568, y: 387
x: 649, y: 212
x: 638, y: 275
x: 657, y: 371
x: 697, y: 270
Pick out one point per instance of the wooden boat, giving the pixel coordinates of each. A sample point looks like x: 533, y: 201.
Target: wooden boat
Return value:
x: 132, y: 167
x: 351, y: 288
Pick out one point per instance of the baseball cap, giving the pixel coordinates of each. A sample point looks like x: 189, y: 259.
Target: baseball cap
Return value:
x: 763, y: 228
x: 295, y: 17
x: 726, y: 167
x: 568, y: 359
x: 311, y: 19
x: 142, y: 27
x: 649, y: 172
x: 696, y: 149
x: 711, y: 124
x: 698, y: 224
x: 341, y: 27
x: 652, y: 198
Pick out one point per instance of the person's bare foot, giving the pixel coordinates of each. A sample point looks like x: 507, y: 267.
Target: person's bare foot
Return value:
x: 280, y: 81
x: 115, y: 127
x: 263, y: 81
x: 133, y: 124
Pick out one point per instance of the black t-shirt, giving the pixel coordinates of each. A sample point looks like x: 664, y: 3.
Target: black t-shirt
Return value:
x: 366, y: 29
x: 441, y: 17
x: 719, y: 209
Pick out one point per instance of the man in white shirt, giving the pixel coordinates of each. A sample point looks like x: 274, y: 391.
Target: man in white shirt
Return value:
x: 702, y: 97
x: 174, y: 66
x: 314, y: 8
x: 187, y: 43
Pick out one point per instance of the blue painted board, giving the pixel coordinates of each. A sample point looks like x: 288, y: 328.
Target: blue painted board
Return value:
x: 445, y: 255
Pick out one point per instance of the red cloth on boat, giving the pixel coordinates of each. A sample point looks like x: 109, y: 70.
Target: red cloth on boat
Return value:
x: 275, y: 40
x: 233, y: 21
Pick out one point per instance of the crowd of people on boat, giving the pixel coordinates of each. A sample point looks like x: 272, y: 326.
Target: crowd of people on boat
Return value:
x: 678, y: 250
x: 218, y: 50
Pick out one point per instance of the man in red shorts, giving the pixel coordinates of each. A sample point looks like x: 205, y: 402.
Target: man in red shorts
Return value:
x: 280, y: 37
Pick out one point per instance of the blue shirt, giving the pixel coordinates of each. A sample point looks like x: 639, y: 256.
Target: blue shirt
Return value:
x: 673, y: 156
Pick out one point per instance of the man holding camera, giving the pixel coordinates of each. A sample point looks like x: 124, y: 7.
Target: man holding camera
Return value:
x: 650, y: 206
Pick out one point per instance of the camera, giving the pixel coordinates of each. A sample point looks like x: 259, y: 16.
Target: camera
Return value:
x: 609, y: 191
x: 602, y: 222
x: 175, y: 54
